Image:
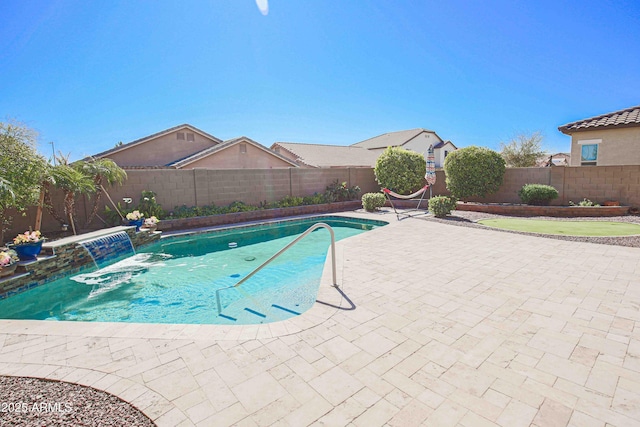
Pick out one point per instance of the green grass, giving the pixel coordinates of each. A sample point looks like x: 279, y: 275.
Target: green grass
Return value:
x: 565, y: 228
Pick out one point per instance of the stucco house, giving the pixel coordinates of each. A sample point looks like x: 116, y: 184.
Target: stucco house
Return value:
x: 325, y: 156
x: 607, y: 140
x: 187, y: 147
x: 417, y: 140
x: 364, y: 153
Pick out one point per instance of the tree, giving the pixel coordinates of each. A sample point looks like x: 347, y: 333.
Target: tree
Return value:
x: 103, y: 171
x: 71, y: 179
x: 473, y: 172
x: 21, y: 168
x: 400, y: 170
x: 522, y: 150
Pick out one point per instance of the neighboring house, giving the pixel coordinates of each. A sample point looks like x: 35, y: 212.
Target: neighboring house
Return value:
x: 558, y: 159
x: 187, y: 147
x: 417, y: 140
x: 236, y: 153
x: 326, y: 156
x: 606, y: 140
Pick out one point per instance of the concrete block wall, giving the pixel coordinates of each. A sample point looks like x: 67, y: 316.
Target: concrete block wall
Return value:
x: 602, y: 183
x: 365, y: 179
x: 514, y: 179
x: 305, y: 182
x: 199, y: 187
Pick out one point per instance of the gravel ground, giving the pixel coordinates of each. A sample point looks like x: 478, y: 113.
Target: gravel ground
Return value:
x: 468, y: 219
x: 37, y: 402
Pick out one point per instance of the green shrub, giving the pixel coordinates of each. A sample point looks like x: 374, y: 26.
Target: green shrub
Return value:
x: 289, y: 201
x: 473, y: 172
x: 339, y: 192
x: 149, y: 206
x: 315, y: 199
x: 537, y: 194
x: 441, y: 206
x: 373, y: 201
x: 400, y: 170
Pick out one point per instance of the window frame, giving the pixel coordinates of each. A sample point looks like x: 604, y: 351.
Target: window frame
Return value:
x: 594, y: 144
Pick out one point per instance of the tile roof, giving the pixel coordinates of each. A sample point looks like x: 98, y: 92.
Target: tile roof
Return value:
x: 327, y: 156
x: 392, y: 139
x: 156, y: 135
x: 628, y: 117
x: 226, y: 144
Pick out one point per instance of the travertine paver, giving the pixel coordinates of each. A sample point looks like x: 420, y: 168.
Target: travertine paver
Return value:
x: 453, y: 326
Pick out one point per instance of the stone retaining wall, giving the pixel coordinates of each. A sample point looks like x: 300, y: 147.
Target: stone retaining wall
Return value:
x: 57, y: 261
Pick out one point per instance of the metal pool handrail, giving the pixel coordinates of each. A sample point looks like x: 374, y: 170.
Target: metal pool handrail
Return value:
x: 277, y: 254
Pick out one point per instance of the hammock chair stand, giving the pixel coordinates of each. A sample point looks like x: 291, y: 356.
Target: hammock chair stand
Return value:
x: 388, y: 193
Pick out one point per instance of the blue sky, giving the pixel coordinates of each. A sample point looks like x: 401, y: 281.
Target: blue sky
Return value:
x: 86, y: 74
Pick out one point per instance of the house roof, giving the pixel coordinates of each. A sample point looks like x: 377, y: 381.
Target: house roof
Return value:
x: 327, y: 156
x: 628, y: 117
x: 392, y: 139
x: 157, y: 135
x: 223, y: 146
x: 443, y: 143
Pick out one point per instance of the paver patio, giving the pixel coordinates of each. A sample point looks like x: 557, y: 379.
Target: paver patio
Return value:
x: 453, y: 326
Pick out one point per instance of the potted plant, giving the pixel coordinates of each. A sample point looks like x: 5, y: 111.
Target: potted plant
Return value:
x: 151, y: 223
x: 135, y: 218
x: 28, y: 245
x: 8, y: 262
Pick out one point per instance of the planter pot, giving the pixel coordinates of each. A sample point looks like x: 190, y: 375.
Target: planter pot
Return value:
x: 150, y: 228
x: 611, y: 203
x: 28, y: 251
x: 137, y: 222
x: 8, y: 270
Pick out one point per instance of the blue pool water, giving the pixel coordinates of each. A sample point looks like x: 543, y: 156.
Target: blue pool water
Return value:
x: 176, y: 279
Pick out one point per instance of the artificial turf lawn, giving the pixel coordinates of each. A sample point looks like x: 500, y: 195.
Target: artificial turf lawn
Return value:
x: 565, y: 228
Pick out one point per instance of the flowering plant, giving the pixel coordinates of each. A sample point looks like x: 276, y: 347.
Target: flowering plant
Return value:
x: 134, y: 216
x: 27, y: 237
x: 151, y: 221
x: 8, y: 257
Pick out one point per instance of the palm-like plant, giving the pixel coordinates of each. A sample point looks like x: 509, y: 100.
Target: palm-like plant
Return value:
x: 102, y: 171
x: 71, y: 180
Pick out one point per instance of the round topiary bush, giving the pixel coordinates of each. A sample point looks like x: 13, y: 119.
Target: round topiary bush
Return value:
x: 400, y: 170
x: 372, y: 201
x: 473, y: 172
x: 537, y: 194
x: 441, y: 206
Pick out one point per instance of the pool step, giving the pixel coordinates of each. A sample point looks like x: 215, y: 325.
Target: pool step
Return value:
x: 257, y: 313
x: 260, y: 314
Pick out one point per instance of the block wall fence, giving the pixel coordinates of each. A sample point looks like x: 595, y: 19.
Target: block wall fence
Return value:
x: 200, y: 187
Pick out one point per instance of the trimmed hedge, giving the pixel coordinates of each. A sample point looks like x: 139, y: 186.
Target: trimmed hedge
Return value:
x: 537, y: 194
x: 473, y: 172
x: 373, y: 201
x: 400, y: 170
x: 441, y: 206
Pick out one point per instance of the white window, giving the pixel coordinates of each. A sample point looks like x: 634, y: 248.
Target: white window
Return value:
x: 589, y: 151
x: 191, y: 137
x: 180, y: 136
x: 243, y: 148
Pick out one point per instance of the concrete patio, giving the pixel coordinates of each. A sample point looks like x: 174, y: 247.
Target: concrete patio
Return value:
x: 453, y: 326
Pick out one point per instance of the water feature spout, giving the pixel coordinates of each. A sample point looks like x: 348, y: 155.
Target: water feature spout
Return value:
x: 105, y: 249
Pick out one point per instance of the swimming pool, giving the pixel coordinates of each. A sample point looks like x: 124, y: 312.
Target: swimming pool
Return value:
x: 176, y: 279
